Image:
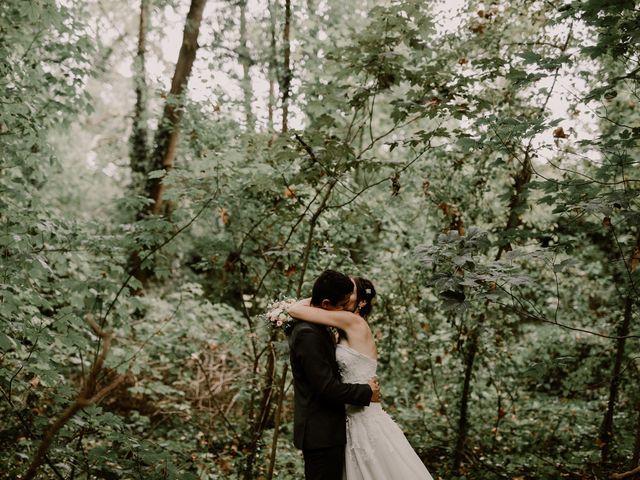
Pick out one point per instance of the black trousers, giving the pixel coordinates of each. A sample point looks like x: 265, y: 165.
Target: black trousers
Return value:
x: 324, y: 463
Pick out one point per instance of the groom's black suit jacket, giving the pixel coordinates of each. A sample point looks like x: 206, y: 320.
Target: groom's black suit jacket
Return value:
x: 319, y: 395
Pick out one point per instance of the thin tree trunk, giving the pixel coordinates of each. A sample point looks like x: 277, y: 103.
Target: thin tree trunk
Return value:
x: 260, y: 419
x: 272, y: 66
x: 245, y: 61
x: 635, y: 460
x: 285, y: 128
x: 472, y: 346
x: 272, y: 97
x: 139, y: 134
x: 287, y: 76
x: 271, y: 364
x: 276, y: 431
x: 605, y: 437
x: 606, y: 428
x: 522, y: 178
x: 166, y: 139
x: 518, y: 199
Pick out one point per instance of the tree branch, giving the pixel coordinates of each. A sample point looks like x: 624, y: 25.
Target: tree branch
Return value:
x: 87, y: 396
x: 619, y: 476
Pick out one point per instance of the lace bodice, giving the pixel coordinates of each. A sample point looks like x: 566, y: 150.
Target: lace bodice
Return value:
x: 355, y: 367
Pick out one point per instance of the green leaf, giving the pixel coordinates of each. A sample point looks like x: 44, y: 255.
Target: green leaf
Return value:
x: 157, y: 173
x: 6, y: 343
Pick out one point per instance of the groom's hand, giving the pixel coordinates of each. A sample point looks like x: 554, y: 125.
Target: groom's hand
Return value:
x: 375, y: 390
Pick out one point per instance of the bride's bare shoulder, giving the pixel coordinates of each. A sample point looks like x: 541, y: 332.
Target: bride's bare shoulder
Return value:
x: 360, y: 326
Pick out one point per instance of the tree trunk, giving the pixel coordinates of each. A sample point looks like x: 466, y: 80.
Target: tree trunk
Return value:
x: 166, y: 139
x: 472, y: 346
x: 635, y: 460
x: 285, y: 128
x: 272, y: 66
x: 276, y: 431
x: 286, y: 77
x: 259, y: 422
x: 272, y: 97
x: 139, y: 135
x: 245, y: 60
x: 605, y: 437
x: 521, y: 180
x: 606, y: 428
x: 267, y: 399
x: 518, y: 199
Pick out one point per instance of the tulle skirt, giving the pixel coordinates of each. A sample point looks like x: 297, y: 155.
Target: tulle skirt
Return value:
x: 377, y: 449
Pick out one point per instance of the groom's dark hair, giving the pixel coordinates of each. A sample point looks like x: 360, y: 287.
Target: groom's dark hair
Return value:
x: 333, y: 286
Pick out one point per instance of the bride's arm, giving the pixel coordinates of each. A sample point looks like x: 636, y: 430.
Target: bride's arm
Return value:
x: 302, y: 310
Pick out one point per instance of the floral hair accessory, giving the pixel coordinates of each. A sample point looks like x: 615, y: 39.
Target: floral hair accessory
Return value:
x: 367, y: 291
x: 277, y: 316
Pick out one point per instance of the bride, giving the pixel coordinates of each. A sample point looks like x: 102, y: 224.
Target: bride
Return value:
x: 376, y: 447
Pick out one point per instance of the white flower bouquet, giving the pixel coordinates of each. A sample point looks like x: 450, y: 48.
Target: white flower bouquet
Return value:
x: 277, y: 315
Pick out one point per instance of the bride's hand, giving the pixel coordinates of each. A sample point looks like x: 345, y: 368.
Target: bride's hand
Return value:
x: 376, y: 396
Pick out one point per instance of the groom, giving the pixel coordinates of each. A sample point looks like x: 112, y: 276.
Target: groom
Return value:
x: 319, y: 426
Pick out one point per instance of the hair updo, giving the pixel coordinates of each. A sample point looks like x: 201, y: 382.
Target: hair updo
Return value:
x: 366, y: 292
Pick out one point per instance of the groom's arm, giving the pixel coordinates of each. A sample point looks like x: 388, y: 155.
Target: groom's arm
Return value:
x: 318, y: 370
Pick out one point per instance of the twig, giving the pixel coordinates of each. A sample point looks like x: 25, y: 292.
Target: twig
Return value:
x: 388, y: 132
x: 434, y: 382
x: 211, y: 392
x: 291, y: 232
x: 167, y: 321
x: 375, y: 184
x: 561, y: 325
x: 312, y: 226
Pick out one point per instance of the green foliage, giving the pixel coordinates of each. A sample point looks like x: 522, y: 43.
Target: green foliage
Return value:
x: 500, y: 235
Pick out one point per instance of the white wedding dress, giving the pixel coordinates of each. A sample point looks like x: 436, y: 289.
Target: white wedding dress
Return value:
x: 376, y: 447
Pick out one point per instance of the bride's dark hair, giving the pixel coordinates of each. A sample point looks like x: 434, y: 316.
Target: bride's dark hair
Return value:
x: 366, y: 292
